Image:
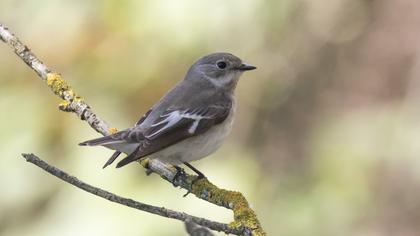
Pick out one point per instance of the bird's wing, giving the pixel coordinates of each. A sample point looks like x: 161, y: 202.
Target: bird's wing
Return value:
x: 118, y: 138
x: 174, y: 125
x: 143, y: 118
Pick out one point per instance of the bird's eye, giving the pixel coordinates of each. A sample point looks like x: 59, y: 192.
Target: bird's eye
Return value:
x: 221, y: 65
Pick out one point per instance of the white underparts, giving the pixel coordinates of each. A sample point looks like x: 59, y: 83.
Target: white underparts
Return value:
x: 198, y: 146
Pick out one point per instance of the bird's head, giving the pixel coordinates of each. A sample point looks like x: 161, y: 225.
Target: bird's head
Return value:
x: 220, y: 69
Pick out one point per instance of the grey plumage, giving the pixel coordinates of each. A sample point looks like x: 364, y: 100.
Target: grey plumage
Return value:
x: 197, y: 106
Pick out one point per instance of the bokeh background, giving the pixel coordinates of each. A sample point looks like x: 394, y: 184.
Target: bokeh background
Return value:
x: 326, y: 140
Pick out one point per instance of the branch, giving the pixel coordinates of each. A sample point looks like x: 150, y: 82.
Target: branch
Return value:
x: 194, y: 230
x: 244, y: 217
x: 126, y: 201
x: 72, y: 102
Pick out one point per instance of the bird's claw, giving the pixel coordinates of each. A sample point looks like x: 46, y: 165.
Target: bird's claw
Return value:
x: 186, y: 194
x: 179, y: 173
x: 193, y: 182
x: 148, y: 172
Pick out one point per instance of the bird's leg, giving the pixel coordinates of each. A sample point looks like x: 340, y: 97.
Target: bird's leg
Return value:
x: 199, y: 175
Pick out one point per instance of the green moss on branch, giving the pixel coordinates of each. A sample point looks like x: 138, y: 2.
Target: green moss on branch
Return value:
x: 244, y: 216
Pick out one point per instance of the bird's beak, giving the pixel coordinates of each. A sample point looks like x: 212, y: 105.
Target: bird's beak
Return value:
x: 244, y: 67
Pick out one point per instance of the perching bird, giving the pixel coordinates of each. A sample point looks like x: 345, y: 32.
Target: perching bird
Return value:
x: 188, y: 123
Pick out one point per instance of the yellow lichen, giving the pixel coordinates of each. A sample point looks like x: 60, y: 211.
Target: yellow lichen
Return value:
x: 63, y: 105
x: 244, y: 216
x: 57, y: 84
x: 112, y: 130
x: 61, y: 88
x: 144, y: 162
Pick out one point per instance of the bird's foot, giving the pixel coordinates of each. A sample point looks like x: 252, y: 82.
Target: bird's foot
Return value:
x: 198, y: 177
x: 148, y: 172
x: 179, y: 173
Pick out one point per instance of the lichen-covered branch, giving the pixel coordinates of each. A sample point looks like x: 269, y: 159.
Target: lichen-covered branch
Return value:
x: 126, y: 201
x: 244, y: 217
x: 71, y: 101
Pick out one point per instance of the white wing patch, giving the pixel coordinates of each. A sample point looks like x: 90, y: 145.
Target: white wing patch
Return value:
x: 171, y: 119
x: 196, y: 119
x: 174, y: 117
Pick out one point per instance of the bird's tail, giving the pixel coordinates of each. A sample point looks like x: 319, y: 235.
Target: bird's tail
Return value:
x: 106, y: 140
x: 130, y: 158
x: 112, y: 159
x: 116, y: 142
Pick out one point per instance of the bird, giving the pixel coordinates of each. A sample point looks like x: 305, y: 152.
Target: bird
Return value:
x: 189, y: 122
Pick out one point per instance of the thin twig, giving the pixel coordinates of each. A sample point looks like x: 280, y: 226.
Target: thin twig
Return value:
x: 195, y: 230
x: 126, y: 201
x: 244, y: 216
x: 72, y: 102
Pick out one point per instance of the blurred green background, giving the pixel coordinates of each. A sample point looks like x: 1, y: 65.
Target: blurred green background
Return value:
x: 326, y: 141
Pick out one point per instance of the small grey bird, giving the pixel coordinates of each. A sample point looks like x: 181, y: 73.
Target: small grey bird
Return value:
x: 188, y: 123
